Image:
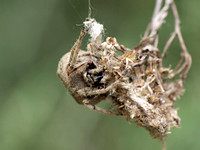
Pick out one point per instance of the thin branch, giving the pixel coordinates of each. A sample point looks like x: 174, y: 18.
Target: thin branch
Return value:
x: 160, y: 13
x: 188, y: 61
x: 159, y: 16
x: 168, y: 43
x: 157, y: 7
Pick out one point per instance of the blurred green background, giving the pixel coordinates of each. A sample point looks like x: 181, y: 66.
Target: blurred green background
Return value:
x: 36, y: 111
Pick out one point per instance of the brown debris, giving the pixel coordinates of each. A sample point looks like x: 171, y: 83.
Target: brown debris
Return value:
x: 136, y: 83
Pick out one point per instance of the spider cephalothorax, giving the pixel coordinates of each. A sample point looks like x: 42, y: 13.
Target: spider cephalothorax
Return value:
x: 135, y: 82
x: 93, y: 75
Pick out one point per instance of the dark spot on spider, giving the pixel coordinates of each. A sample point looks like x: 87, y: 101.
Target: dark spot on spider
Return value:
x: 130, y: 79
x: 140, y: 57
x: 90, y: 96
x: 145, y: 50
x: 91, y: 65
x: 94, y: 79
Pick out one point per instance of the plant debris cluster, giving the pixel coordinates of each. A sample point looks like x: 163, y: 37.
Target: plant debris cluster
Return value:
x: 134, y: 81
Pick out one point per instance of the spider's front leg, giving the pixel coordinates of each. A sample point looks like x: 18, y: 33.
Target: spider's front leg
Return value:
x: 88, y: 91
x: 75, y: 50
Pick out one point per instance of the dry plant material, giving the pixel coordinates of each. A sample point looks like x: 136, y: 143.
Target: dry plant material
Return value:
x: 136, y: 83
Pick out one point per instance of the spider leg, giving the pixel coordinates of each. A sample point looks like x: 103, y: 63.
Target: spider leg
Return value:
x: 90, y: 91
x: 99, y: 109
x: 75, y: 50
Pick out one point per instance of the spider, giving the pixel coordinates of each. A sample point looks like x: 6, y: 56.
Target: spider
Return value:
x: 85, y: 80
x: 87, y: 75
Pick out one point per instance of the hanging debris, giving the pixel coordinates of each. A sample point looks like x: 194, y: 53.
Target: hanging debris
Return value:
x: 136, y: 83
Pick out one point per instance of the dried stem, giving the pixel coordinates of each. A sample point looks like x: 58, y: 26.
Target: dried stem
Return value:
x: 188, y: 61
x: 157, y: 20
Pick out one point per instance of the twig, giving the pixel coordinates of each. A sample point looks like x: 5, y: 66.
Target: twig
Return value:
x: 157, y: 20
x: 188, y: 61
